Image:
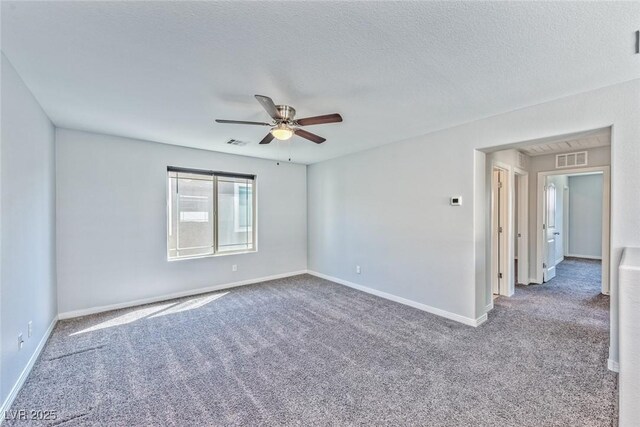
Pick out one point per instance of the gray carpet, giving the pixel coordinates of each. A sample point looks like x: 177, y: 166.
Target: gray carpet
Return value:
x: 305, y: 351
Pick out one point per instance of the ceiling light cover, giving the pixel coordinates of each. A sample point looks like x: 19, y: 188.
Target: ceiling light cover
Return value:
x: 282, y: 132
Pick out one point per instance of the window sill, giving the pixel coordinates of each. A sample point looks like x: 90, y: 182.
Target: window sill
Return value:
x: 221, y: 254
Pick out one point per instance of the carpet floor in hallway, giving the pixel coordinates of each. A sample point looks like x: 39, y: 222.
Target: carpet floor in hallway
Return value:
x: 305, y: 351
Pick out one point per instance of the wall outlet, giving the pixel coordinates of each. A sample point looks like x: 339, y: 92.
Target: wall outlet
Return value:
x: 234, y: 267
x: 20, y: 341
x: 30, y: 328
x: 358, y: 269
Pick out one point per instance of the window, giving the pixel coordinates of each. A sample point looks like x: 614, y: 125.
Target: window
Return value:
x: 209, y: 213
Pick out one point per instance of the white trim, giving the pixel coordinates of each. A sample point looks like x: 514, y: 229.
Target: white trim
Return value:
x: 100, y: 309
x: 522, y: 221
x: 437, y: 311
x: 559, y: 260
x: 613, y: 365
x: 506, y: 257
x: 489, y: 307
x: 6, y: 405
x: 584, y: 256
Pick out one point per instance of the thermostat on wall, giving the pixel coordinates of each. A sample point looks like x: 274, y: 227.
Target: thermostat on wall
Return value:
x: 455, y: 201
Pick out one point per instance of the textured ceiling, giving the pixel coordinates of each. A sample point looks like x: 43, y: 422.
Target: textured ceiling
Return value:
x: 163, y: 71
x: 568, y: 143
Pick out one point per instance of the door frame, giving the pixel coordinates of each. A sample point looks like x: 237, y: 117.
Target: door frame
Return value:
x: 606, y: 219
x: 507, y: 255
x: 549, y: 260
x: 523, y: 224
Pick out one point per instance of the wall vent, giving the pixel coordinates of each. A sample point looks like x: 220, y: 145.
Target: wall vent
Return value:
x: 522, y: 160
x: 571, y: 160
x: 237, y: 142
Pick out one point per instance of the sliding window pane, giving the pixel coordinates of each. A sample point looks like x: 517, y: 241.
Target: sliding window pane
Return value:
x: 190, y: 216
x: 235, y: 214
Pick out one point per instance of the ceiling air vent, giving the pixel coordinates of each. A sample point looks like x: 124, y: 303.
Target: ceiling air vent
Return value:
x: 237, y: 142
x: 571, y: 160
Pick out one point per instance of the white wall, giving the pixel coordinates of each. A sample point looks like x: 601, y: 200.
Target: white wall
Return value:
x: 27, y: 187
x: 387, y: 208
x: 585, y: 216
x: 628, y: 383
x: 111, y: 221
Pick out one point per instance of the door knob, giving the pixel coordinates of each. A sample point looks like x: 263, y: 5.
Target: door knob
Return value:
x: 557, y: 233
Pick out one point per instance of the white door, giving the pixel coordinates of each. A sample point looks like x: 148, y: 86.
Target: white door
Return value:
x: 550, y: 233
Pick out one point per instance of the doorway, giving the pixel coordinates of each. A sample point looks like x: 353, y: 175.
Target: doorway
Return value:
x: 574, y: 223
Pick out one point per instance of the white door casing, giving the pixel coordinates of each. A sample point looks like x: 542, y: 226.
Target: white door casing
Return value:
x: 523, y: 226
x: 550, y: 232
x: 500, y: 215
x: 495, y: 255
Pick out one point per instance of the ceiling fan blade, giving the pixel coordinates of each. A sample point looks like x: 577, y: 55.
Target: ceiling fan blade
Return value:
x: 240, y: 122
x: 310, y: 136
x: 267, y: 139
x: 319, y: 120
x: 269, y: 106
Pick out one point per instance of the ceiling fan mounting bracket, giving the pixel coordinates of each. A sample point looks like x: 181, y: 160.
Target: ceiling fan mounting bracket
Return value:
x: 287, y: 113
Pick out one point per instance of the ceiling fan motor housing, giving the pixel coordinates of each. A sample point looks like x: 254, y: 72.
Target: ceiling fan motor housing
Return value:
x: 286, y: 112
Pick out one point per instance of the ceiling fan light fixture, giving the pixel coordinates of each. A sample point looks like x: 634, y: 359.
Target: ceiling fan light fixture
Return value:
x: 282, y: 132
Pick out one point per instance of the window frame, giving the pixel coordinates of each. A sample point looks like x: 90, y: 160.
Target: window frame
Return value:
x: 253, y: 229
x: 238, y: 228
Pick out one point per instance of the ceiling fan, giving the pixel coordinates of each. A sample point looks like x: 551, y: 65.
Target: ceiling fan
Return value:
x: 284, y: 126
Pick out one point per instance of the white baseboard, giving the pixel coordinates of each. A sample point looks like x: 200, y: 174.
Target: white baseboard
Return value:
x: 101, y: 309
x: 443, y: 313
x: 584, y: 256
x: 559, y: 260
x: 6, y: 405
x: 489, y: 307
x: 613, y: 365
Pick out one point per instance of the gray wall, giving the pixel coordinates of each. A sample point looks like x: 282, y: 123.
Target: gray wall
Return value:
x: 27, y: 270
x: 585, y: 216
x: 112, y: 223
x: 387, y: 210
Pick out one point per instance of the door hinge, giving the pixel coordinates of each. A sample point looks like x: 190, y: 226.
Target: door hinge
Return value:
x: 544, y: 265
x: 499, y: 275
x: 519, y: 235
x: 544, y: 226
x: 499, y: 229
x: 499, y: 184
